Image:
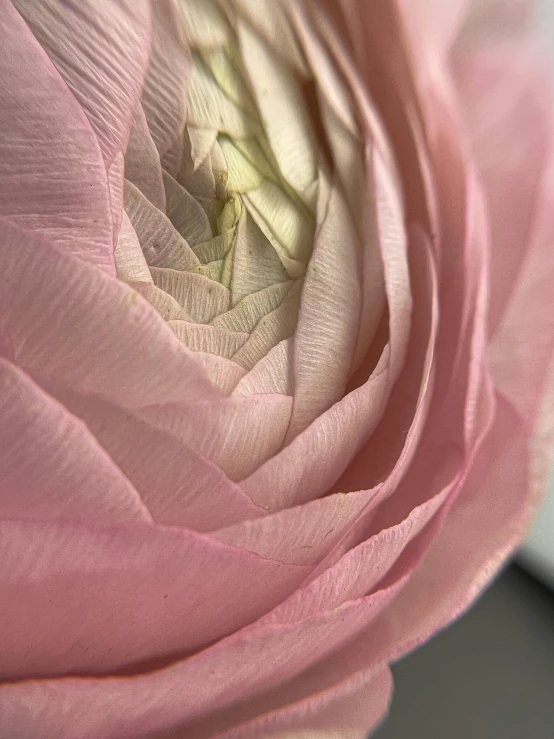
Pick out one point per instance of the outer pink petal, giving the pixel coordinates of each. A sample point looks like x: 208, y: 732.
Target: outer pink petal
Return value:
x: 165, y: 91
x: 436, y: 21
x: 350, y: 707
x: 505, y: 98
x: 111, y: 343
x: 101, y: 51
x: 53, y: 177
x: 251, y: 662
x: 52, y: 465
x: 342, y: 696
x: 480, y: 532
x: 522, y: 348
x: 179, y: 486
x: 98, y: 599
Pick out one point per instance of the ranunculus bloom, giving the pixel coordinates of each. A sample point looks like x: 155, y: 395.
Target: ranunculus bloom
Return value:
x: 276, y: 317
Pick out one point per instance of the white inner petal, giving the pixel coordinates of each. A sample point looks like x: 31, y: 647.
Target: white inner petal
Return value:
x: 230, y: 262
x: 209, y: 339
x: 283, y: 108
x: 161, y: 244
x: 246, y: 314
x: 210, y: 108
x: 256, y: 265
x: 204, y: 22
x: 202, y: 298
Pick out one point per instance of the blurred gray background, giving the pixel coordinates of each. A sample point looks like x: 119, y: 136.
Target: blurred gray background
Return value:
x: 491, y: 675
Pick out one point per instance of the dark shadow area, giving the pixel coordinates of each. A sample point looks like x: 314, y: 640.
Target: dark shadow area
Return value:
x: 490, y: 676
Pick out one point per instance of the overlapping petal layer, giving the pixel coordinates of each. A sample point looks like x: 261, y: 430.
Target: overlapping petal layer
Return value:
x: 264, y: 434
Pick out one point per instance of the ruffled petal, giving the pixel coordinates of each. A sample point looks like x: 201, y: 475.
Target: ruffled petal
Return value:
x: 101, y: 52
x: 91, y: 599
x: 237, y: 433
x: 505, y: 97
x: 113, y: 344
x: 53, y: 177
x: 180, y: 486
x: 52, y: 464
x: 164, y: 97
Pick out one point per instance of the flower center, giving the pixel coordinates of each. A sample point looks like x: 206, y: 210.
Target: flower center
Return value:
x: 261, y: 208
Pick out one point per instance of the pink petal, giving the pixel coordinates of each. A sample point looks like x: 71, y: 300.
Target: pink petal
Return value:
x: 320, y: 704
x: 52, y: 464
x: 342, y: 694
x: 238, y: 433
x: 80, y: 38
x: 435, y: 21
x: 361, y: 569
x: 388, y: 453
x: 505, y: 97
x: 115, y: 181
x: 107, y: 93
x: 111, y: 343
x: 6, y: 348
x: 393, y: 243
x: 52, y: 176
x: 166, y: 86
x: 323, y: 349
x: 224, y: 373
x: 316, y: 458
x: 142, y: 161
x: 129, y: 259
x: 97, y: 599
x: 250, y: 662
x: 300, y: 535
x: 521, y: 350
x: 271, y: 374
x: 480, y: 532
x: 179, y: 486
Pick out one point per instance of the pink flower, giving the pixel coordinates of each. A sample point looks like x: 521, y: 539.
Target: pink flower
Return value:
x: 275, y: 329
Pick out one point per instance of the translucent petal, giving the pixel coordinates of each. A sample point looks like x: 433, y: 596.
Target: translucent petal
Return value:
x: 283, y: 108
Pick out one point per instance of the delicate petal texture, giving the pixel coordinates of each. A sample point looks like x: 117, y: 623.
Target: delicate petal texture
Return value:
x: 101, y: 51
x: 178, y: 486
x: 129, y: 258
x: 142, y: 161
x: 505, y: 95
x: 276, y: 331
x: 152, y: 580
x: 52, y: 176
x: 320, y: 372
x: 40, y: 284
x: 164, y: 94
x: 237, y: 433
x: 52, y: 464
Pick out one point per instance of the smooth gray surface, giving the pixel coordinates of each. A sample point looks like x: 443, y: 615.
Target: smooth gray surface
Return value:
x: 490, y: 676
